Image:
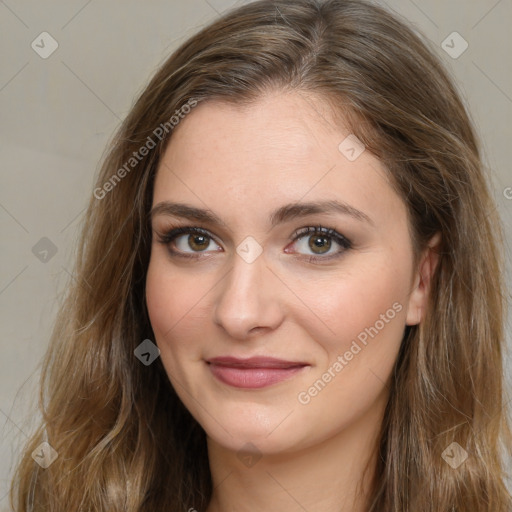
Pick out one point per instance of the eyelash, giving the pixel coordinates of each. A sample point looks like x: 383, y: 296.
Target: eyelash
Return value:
x: 173, y: 233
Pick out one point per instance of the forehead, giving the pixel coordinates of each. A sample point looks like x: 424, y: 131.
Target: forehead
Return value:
x: 284, y: 147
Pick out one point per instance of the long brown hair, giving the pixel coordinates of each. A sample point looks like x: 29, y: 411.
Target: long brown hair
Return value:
x: 124, y: 440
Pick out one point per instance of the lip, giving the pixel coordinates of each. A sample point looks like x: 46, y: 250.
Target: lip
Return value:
x: 253, y: 372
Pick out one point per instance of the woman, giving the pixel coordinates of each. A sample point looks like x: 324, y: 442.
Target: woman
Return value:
x: 289, y: 292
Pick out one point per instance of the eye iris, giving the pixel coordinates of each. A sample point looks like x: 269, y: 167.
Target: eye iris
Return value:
x: 319, y: 242
x: 198, y: 242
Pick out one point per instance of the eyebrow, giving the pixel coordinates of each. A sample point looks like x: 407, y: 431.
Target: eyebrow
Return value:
x: 282, y: 214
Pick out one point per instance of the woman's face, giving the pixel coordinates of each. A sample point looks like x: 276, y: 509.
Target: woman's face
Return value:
x: 280, y: 320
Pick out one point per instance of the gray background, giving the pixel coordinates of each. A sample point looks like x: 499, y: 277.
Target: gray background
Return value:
x: 58, y: 113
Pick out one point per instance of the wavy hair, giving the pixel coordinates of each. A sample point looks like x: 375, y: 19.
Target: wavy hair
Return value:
x: 125, y: 441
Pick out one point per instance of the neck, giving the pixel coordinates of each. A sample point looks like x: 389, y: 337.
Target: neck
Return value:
x: 333, y: 476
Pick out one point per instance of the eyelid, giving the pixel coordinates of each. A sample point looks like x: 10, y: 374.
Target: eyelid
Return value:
x: 330, y: 232
x: 170, y: 234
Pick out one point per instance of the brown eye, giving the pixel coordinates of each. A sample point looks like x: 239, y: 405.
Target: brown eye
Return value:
x: 319, y: 244
x: 188, y: 241
x: 198, y: 242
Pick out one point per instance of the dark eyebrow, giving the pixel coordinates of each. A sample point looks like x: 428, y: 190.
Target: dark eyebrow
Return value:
x: 282, y: 214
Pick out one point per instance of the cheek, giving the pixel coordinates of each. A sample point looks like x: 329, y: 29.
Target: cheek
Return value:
x: 366, y: 305
x: 365, y: 313
x: 176, y: 303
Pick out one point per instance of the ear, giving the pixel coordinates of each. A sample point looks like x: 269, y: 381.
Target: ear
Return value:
x: 422, y: 281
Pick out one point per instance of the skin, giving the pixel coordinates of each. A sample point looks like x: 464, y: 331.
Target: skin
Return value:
x: 242, y: 163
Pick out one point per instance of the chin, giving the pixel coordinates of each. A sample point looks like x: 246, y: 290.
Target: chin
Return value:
x: 246, y: 438
x: 270, y: 431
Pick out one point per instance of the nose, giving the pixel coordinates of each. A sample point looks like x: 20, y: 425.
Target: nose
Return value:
x: 248, y: 303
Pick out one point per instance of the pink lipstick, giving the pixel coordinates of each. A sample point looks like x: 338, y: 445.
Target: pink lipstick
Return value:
x: 254, y: 372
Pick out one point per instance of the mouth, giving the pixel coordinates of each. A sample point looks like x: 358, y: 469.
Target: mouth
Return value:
x: 254, y: 372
